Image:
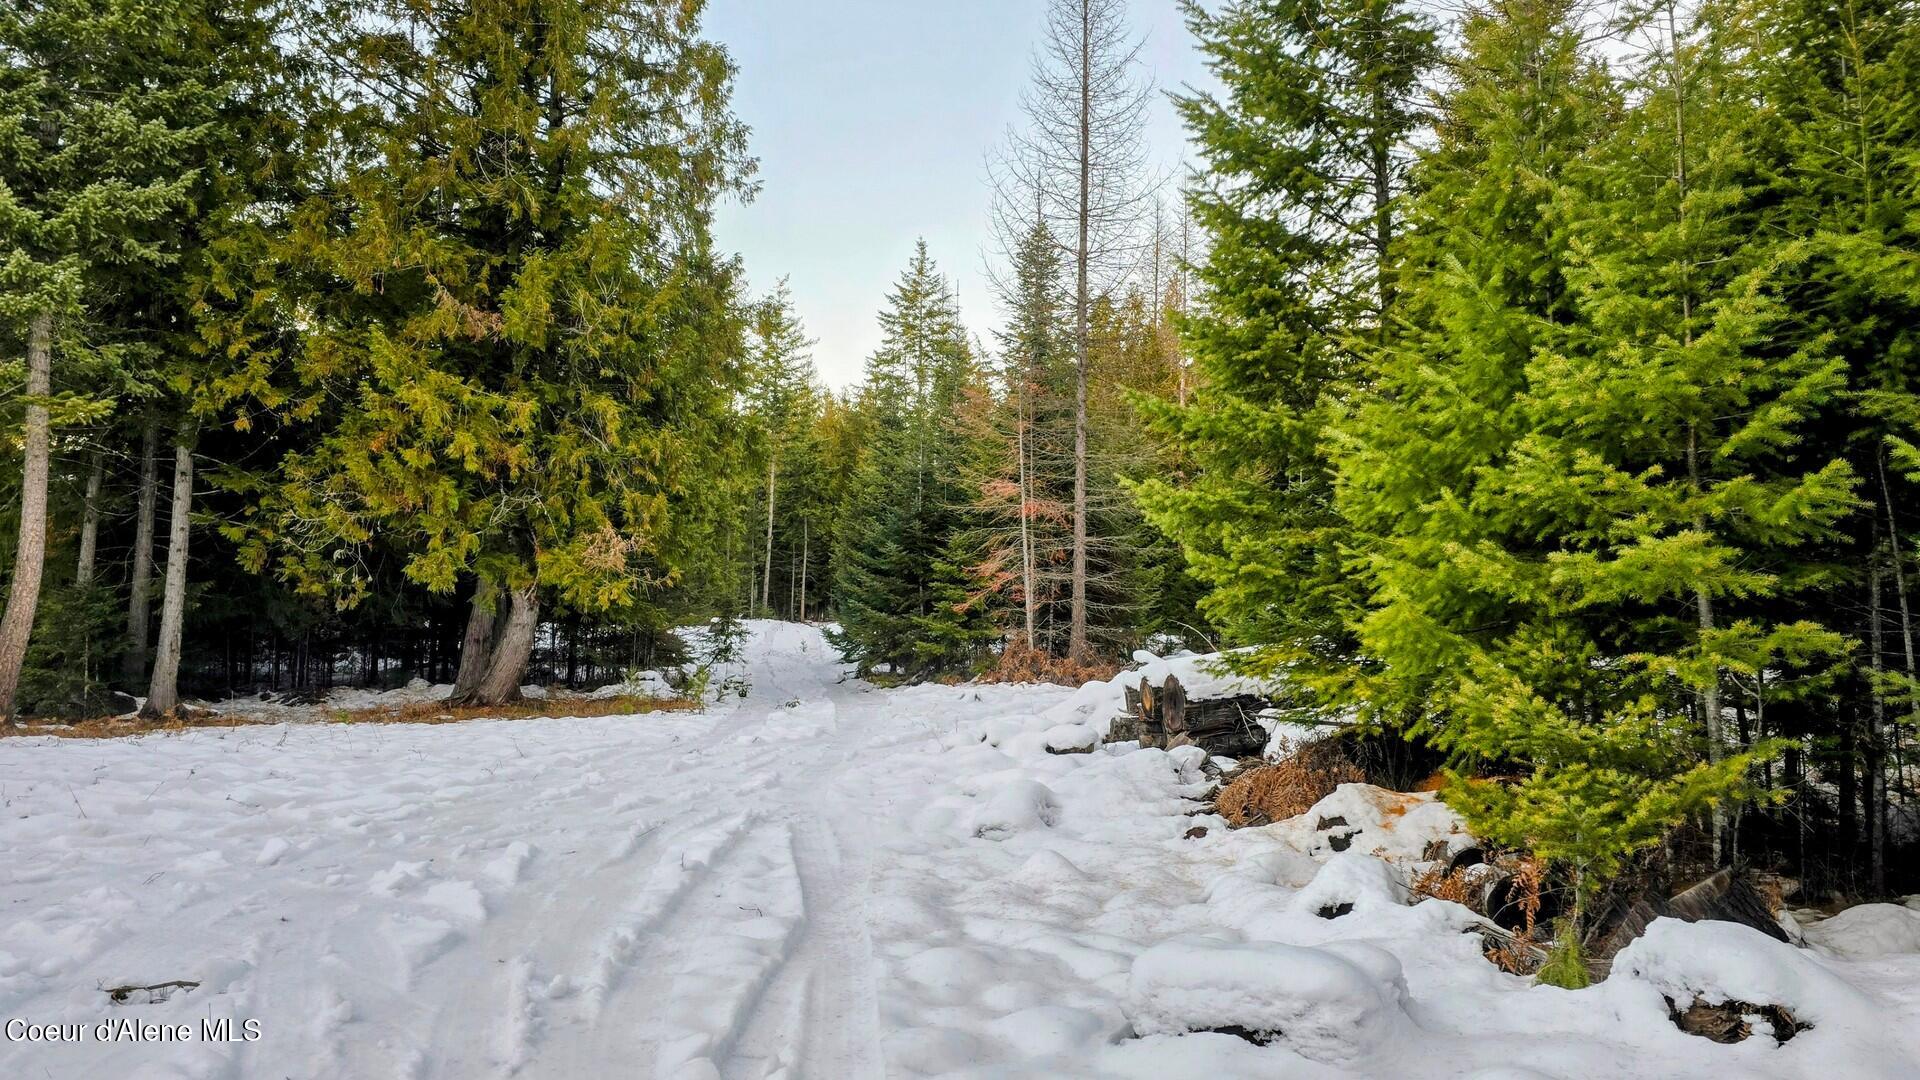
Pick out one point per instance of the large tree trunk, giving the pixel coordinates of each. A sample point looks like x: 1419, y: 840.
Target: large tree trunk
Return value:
x: 806, y: 555
x: 163, y: 690
x: 29, y: 560
x: 508, y: 666
x: 476, y: 647
x: 1077, y: 629
x: 141, y: 578
x: 90, y: 521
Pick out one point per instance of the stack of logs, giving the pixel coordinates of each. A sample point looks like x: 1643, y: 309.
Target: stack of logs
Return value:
x: 1163, y: 717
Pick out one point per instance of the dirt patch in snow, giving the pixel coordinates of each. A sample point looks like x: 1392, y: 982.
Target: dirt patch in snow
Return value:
x: 439, y: 712
x: 117, y: 727
x: 414, y: 712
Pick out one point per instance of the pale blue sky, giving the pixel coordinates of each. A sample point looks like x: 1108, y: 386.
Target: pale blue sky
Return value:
x: 872, y: 120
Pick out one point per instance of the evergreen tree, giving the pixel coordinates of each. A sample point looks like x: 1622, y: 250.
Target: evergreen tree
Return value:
x: 896, y: 570
x: 1446, y: 631
x: 781, y: 400
x: 530, y: 342
x: 1305, y: 149
x: 109, y: 116
x: 1024, y: 491
x: 1596, y: 426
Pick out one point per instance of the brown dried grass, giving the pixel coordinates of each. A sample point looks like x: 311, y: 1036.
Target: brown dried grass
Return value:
x: 120, y: 727
x: 1269, y: 793
x: 1523, y: 953
x: 1439, y: 883
x: 421, y: 712
x: 439, y: 712
x: 1021, y: 662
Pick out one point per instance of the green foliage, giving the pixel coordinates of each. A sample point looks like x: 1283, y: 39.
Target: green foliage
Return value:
x: 895, y: 578
x: 1589, y: 455
x: 1566, y: 965
x: 518, y: 351
x: 1305, y: 149
x: 76, y: 647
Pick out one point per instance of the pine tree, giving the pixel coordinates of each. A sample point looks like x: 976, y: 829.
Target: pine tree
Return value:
x: 520, y: 345
x: 1445, y: 620
x: 1024, y: 493
x: 781, y: 400
x: 1305, y: 150
x: 896, y: 570
x: 1595, y: 429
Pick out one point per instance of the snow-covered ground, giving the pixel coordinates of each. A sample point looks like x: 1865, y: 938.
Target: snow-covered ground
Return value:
x: 820, y: 880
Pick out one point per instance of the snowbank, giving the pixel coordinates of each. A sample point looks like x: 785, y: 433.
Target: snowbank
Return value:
x: 1846, y: 1028
x: 1867, y: 931
x: 1015, y: 807
x: 1328, y: 1004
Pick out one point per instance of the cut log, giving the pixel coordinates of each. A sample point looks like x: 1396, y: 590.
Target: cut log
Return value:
x: 1150, y: 729
x: 1724, y: 896
x: 1227, y: 727
x: 1173, y: 707
x: 1162, y: 716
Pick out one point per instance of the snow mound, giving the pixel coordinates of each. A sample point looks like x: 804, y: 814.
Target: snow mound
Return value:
x: 1867, y: 931
x: 1351, y: 882
x: 1331, y: 1004
x: 1070, y: 738
x: 1015, y: 807
x: 1846, y: 1028
x: 1716, y: 962
x: 1397, y: 826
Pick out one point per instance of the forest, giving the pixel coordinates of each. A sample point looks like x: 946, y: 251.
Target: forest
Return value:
x: 1536, y: 383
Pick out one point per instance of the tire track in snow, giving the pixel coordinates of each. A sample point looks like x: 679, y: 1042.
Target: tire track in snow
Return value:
x: 675, y: 993
x: 817, y: 1016
x: 506, y: 979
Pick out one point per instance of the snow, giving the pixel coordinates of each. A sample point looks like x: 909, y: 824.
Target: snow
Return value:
x: 1015, y: 807
x: 820, y: 878
x: 1867, y: 931
x: 1318, y: 1002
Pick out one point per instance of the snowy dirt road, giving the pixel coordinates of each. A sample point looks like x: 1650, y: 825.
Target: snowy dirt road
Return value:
x: 821, y: 880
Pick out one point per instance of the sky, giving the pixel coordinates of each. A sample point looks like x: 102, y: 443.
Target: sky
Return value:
x: 872, y: 122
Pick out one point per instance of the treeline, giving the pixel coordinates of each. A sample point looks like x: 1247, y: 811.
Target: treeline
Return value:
x: 1557, y: 406
x: 970, y: 505
x: 361, y: 342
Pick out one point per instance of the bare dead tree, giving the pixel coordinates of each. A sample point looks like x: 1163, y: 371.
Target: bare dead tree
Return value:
x: 1082, y: 159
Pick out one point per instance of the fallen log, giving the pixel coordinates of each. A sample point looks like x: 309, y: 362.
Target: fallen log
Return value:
x: 1723, y: 896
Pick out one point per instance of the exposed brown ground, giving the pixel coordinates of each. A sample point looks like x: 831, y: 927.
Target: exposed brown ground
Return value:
x: 423, y: 712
